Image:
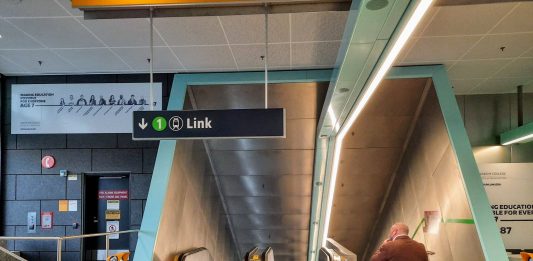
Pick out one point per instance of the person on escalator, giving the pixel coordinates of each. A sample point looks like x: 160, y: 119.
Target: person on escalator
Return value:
x: 400, y: 247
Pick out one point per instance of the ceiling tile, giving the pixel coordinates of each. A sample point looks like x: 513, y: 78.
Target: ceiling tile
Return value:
x: 181, y: 31
x: 489, y: 47
x: 93, y: 60
x: 317, y: 26
x: 7, y: 67
x: 463, y: 86
x: 246, y: 29
x: 30, y: 8
x: 440, y: 48
x: 58, y: 32
x: 12, y: 38
x: 29, y: 60
x: 164, y: 60
x: 476, y: 68
x: 501, y: 85
x: 426, y: 20
x: 522, y: 67
x: 466, y: 20
x: 205, y: 57
x: 311, y: 54
x: 529, y: 53
x: 249, y: 56
x: 519, y: 20
x: 123, y: 32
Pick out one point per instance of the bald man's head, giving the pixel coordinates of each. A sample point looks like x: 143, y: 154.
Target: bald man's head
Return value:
x: 398, y: 229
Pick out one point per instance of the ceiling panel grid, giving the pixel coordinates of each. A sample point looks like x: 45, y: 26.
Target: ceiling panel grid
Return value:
x: 54, y: 33
x: 487, y: 48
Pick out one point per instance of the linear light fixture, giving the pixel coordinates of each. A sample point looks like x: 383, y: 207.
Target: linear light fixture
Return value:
x: 521, y: 134
x: 398, y: 45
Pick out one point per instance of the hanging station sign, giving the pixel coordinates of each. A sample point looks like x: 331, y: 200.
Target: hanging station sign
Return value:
x: 508, y: 187
x: 79, y: 108
x: 209, y: 124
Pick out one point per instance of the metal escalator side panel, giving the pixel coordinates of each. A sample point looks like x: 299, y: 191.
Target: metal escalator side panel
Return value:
x: 268, y: 254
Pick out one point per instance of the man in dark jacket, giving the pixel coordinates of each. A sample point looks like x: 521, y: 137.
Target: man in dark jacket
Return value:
x: 400, y: 247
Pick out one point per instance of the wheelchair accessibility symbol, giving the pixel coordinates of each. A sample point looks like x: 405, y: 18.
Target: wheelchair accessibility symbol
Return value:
x: 175, y: 123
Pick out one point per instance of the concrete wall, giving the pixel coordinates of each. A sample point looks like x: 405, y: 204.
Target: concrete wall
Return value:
x: 193, y: 215
x: 428, y: 179
x: 486, y: 117
x: 27, y: 187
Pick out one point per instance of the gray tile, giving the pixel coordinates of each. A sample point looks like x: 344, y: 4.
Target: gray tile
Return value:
x: 38, y: 245
x: 61, y: 218
x: 140, y: 184
x: 149, y: 156
x: 205, y: 57
x: 74, y: 188
x: 41, y: 187
x: 9, y: 187
x: 67, y: 256
x: 30, y: 255
x: 41, y: 141
x: 73, y: 244
x: 136, y: 212
x: 319, y: 26
x: 9, y: 231
x: 9, y: 140
x: 73, y: 160
x: 21, y: 162
x: 100, y: 141
x: 314, y: 54
x: 16, y: 212
x: 117, y: 160
x: 125, y: 141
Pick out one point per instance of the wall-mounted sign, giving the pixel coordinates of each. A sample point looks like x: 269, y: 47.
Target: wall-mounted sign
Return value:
x: 79, y: 108
x: 112, y: 214
x: 113, y: 226
x: 31, y: 224
x: 113, y: 204
x: 113, y: 194
x: 47, y: 220
x: 209, y: 124
x: 48, y: 162
x: 508, y: 187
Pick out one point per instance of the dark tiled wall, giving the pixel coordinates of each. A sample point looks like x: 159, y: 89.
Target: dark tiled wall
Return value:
x: 26, y: 187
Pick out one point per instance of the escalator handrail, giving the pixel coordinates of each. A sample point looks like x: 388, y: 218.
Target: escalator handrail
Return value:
x: 192, y: 252
x: 247, y: 255
x: 265, y: 253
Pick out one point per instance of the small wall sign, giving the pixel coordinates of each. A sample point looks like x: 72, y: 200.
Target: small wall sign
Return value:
x: 47, y: 220
x: 48, y: 162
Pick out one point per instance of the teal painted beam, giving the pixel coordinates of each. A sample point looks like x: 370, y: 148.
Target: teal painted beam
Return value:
x: 521, y: 134
x: 165, y: 154
x: 487, y: 229
x: 159, y: 184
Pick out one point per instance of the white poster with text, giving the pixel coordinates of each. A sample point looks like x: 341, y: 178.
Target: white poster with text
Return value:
x: 79, y: 108
x: 508, y: 187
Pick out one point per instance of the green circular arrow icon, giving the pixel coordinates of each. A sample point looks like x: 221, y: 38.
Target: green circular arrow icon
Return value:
x: 159, y: 123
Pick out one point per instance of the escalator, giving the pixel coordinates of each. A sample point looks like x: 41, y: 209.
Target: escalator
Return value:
x: 333, y: 251
x: 255, y: 254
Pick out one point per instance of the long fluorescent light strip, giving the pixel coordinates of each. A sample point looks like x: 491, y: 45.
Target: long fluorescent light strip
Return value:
x: 530, y: 136
x: 414, y: 20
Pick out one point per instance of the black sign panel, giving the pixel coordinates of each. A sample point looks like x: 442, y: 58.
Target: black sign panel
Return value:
x: 209, y: 124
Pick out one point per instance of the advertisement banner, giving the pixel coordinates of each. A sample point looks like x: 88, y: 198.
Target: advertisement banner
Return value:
x: 79, y: 108
x: 508, y: 187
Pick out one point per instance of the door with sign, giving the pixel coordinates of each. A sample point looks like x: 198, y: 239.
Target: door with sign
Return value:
x: 106, y: 209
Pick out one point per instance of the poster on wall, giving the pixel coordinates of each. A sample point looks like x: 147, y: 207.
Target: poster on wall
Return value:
x: 508, y: 187
x: 79, y: 108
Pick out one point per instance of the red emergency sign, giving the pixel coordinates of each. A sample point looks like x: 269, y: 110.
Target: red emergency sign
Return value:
x: 48, y: 162
x: 113, y: 194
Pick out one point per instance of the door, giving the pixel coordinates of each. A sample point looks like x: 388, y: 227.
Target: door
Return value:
x: 106, y: 208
